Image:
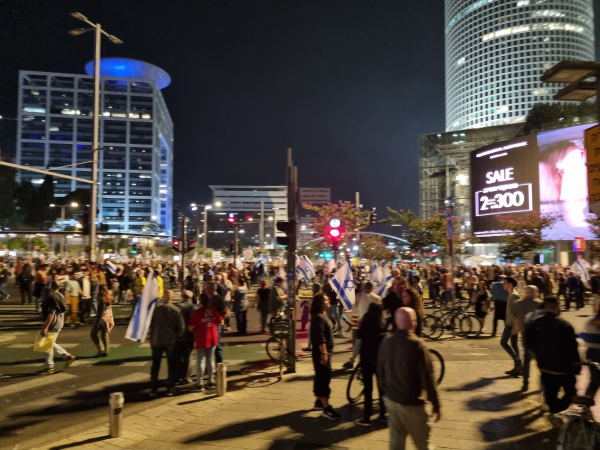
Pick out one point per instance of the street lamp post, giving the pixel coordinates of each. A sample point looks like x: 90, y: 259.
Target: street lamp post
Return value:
x: 96, y: 119
x: 205, y: 236
x: 62, y: 212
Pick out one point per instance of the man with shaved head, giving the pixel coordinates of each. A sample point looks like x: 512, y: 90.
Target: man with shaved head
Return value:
x: 405, y: 371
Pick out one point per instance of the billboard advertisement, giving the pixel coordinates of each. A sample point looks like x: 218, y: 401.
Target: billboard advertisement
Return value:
x: 543, y: 172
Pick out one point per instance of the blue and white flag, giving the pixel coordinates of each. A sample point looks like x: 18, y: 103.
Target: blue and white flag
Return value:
x: 111, y: 266
x: 142, y: 316
x: 305, y: 269
x: 329, y: 266
x: 343, y: 284
x: 385, y: 281
x: 579, y: 268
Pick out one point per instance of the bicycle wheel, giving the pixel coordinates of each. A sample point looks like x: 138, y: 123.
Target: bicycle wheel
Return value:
x: 454, y: 324
x: 439, y: 368
x: 274, y: 348
x: 470, y: 326
x: 355, y: 387
x: 432, y: 327
x: 577, y: 434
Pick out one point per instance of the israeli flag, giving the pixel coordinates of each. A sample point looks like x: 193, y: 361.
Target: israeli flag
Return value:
x: 329, y: 266
x: 305, y: 268
x: 579, y: 268
x: 385, y: 281
x: 343, y: 284
x: 111, y: 266
x: 142, y: 316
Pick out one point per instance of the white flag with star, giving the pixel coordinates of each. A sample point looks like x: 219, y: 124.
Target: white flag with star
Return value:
x: 343, y: 284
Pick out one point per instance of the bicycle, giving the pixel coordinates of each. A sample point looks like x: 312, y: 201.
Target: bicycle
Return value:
x: 580, y: 431
x: 354, y: 391
x: 276, y: 347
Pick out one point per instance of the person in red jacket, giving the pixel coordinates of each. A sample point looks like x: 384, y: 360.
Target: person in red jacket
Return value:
x: 205, y: 322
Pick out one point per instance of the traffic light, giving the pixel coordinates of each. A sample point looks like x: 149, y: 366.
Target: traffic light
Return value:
x: 191, y: 246
x: 104, y: 227
x: 231, y: 220
x: 373, y: 218
x: 284, y: 227
x: 231, y: 249
x: 85, y: 222
x: 335, y: 232
x: 134, y: 249
x: 176, y: 246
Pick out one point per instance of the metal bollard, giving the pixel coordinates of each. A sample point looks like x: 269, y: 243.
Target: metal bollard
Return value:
x: 221, y: 379
x: 115, y: 414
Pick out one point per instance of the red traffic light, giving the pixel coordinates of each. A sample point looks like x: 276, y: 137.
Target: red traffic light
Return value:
x: 334, y: 232
x: 176, y: 242
x: 231, y: 221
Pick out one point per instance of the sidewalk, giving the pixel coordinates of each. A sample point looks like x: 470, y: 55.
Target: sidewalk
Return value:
x: 481, y: 409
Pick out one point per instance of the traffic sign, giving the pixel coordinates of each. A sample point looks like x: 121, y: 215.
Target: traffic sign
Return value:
x: 314, y: 196
x: 579, y: 244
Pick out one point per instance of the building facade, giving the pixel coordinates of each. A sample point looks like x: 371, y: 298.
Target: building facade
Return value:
x: 497, y: 50
x: 135, y: 171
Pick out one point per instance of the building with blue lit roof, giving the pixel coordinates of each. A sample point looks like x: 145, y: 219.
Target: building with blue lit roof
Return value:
x: 136, y: 133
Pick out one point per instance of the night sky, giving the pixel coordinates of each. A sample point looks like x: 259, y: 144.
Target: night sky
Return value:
x: 348, y: 84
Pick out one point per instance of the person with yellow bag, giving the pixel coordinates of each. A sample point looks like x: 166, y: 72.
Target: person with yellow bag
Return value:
x: 53, y: 313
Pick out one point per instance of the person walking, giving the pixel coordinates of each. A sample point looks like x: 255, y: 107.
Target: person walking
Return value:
x: 38, y: 286
x: 53, y: 313
x: 510, y: 285
x: 412, y: 299
x: 370, y: 332
x: 240, y: 306
x: 166, y: 328
x: 73, y: 290
x: 103, y: 322
x: 321, y: 331
x: 204, y: 323
x: 573, y: 291
x: 554, y: 345
x: 4, y: 276
x: 218, y: 302
x: 94, y: 290
x: 499, y: 297
x: 404, y: 370
x: 85, y: 303
x: 262, y: 304
x: 393, y: 300
x: 185, y: 344
x: 25, y: 280
x: 521, y: 308
x: 482, y: 303
x: 276, y: 297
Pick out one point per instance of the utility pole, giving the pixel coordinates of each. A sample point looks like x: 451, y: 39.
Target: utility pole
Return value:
x: 205, y: 241
x: 292, y: 189
x: 261, y: 226
x: 358, y: 211
x: 182, y: 247
x: 235, y: 243
x: 95, y: 144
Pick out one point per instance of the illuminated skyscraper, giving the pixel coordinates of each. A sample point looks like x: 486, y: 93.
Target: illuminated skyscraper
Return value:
x: 496, y: 51
x: 136, y: 137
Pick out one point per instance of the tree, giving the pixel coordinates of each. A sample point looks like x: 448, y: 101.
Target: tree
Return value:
x: 168, y: 251
x: 424, y: 234
x: 57, y: 248
x: 39, y: 242
x: 373, y: 248
x: 545, y: 116
x: 39, y: 209
x: 25, y: 196
x: 525, y: 233
x: 8, y: 194
x: 594, y: 225
x: 351, y: 219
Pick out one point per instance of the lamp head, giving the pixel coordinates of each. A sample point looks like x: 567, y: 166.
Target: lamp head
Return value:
x: 74, y: 204
x: 79, y: 16
x: 114, y: 39
x: 218, y: 204
x: 52, y: 205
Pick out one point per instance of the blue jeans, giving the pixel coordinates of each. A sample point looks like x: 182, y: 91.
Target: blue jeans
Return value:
x: 513, y: 349
x: 2, y: 290
x: 219, y: 349
x: 527, y: 357
x: 335, y: 316
x: 241, y: 322
x: 157, y: 354
x: 203, y: 356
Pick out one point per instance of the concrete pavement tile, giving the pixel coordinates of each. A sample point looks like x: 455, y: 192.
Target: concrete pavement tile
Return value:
x: 447, y: 443
x: 121, y: 442
x: 171, y: 436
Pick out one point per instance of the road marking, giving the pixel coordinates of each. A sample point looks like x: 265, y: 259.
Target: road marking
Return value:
x: 134, y: 363
x: 132, y: 378
x: 471, y: 354
x: 146, y: 345
x: 115, y: 345
x: 20, y: 346
x: 234, y: 362
x: 68, y: 345
x: 84, y: 362
x: 36, y: 382
x: 7, y: 337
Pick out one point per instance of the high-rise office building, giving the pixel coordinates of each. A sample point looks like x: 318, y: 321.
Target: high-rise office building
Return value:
x: 496, y: 51
x: 135, y: 171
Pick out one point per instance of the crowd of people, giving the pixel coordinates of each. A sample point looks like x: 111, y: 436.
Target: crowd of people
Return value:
x: 387, y: 327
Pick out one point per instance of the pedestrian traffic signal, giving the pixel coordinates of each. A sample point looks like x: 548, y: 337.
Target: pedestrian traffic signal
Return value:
x: 286, y: 228
x: 231, y: 249
x: 335, y: 232
x: 104, y: 227
x: 191, y: 246
x: 85, y: 222
x: 176, y: 246
x: 231, y: 220
x: 134, y: 249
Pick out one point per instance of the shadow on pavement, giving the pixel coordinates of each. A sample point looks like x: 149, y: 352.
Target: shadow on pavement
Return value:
x: 77, y: 444
x: 12, y: 429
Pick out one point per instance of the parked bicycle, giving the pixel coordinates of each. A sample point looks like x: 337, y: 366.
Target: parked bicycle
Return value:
x: 356, y: 388
x: 280, y: 328
x: 456, y: 320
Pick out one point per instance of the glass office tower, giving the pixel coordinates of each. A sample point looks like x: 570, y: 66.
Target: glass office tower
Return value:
x: 136, y: 137
x: 496, y: 51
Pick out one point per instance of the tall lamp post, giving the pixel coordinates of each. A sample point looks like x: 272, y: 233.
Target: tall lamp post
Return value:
x: 205, y: 235
x: 62, y: 212
x: 96, y: 130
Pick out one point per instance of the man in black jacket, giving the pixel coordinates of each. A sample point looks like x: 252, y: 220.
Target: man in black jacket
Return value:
x: 553, y: 342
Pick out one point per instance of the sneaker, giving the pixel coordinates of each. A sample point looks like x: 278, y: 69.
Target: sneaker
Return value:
x: 227, y: 328
x: 46, y: 371
x: 7, y: 297
x: 363, y: 422
x: 210, y: 386
x: 525, y: 387
x: 69, y: 361
x: 318, y: 406
x: 331, y: 413
x: 198, y: 389
x: 101, y: 353
x: 153, y: 394
x: 348, y: 365
x: 170, y: 393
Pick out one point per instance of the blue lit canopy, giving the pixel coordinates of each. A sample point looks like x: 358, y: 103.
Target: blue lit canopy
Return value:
x: 130, y: 68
